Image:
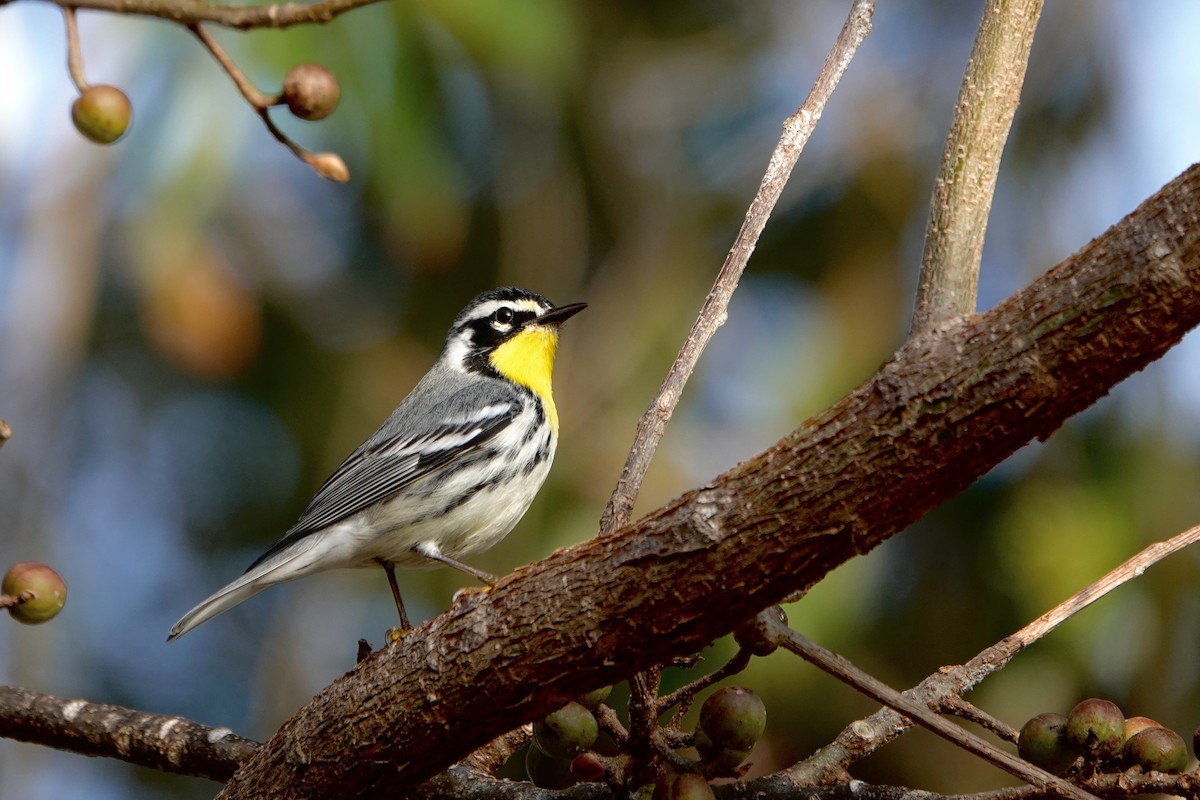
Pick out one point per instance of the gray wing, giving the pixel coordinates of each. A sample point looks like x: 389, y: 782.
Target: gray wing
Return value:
x: 396, y: 456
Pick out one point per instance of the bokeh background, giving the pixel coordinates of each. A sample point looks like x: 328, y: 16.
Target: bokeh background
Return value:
x: 195, y: 330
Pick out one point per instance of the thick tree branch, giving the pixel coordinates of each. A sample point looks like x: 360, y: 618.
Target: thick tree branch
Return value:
x: 947, y: 407
x: 962, y: 196
x: 193, y: 749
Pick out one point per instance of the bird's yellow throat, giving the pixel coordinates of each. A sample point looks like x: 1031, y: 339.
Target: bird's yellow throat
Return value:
x: 528, y: 359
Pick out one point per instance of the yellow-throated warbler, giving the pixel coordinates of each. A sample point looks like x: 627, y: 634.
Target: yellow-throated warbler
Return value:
x: 449, y: 473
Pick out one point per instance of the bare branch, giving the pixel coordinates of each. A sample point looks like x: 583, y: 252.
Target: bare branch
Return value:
x: 1002, y: 652
x: 963, y: 709
x: 948, y: 684
x: 962, y: 196
x: 846, y: 672
x: 242, y: 17
x: 796, y: 131
x: 172, y: 744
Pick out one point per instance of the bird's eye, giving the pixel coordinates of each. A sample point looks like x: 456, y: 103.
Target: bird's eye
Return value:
x: 503, y: 315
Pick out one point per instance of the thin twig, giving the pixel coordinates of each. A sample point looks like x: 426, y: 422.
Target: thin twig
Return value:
x: 966, y: 182
x: 796, y: 131
x: 610, y: 723
x: 242, y: 17
x: 864, y: 736
x: 846, y: 672
x: 684, y: 695
x: 74, y: 51
x: 963, y: 709
x: 1000, y: 653
x: 254, y: 97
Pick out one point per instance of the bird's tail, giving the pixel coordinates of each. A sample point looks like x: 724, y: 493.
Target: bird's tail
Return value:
x: 283, y: 567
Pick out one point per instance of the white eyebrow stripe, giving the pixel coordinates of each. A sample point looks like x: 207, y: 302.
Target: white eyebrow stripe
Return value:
x: 484, y: 310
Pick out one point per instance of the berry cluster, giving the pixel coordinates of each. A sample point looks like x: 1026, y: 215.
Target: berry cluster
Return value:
x: 568, y: 746
x: 1096, y: 736
x: 103, y: 113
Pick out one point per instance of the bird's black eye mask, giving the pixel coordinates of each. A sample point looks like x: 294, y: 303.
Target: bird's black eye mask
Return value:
x: 501, y: 324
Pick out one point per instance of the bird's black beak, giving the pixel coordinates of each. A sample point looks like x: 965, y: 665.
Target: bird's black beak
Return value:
x: 560, y: 314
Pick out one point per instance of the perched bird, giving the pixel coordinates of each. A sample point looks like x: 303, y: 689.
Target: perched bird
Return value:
x: 448, y: 473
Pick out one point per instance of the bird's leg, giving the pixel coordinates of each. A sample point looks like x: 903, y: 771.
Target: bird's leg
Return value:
x: 391, y: 573
x: 431, y: 551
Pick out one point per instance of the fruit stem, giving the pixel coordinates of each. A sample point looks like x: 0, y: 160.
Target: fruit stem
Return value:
x: 249, y: 91
x: 74, y: 52
x: 8, y: 600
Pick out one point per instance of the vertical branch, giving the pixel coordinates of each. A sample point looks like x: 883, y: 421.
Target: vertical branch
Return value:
x: 796, y: 131
x: 962, y: 196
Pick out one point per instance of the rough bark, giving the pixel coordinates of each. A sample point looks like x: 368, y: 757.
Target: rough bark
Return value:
x: 952, y: 403
x: 173, y: 744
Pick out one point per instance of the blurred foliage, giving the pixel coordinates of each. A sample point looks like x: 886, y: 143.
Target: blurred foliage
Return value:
x: 194, y: 330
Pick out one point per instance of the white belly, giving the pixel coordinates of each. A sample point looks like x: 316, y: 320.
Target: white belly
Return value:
x: 462, y: 511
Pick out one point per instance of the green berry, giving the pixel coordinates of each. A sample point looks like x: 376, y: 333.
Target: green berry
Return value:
x: 1096, y: 727
x: 40, y: 592
x: 310, y: 91
x: 1158, y: 749
x: 1043, y: 743
x: 102, y: 113
x: 567, y: 732
x: 733, y: 718
x: 595, y: 697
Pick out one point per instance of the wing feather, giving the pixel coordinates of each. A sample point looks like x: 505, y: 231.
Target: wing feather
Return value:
x: 383, y: 466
